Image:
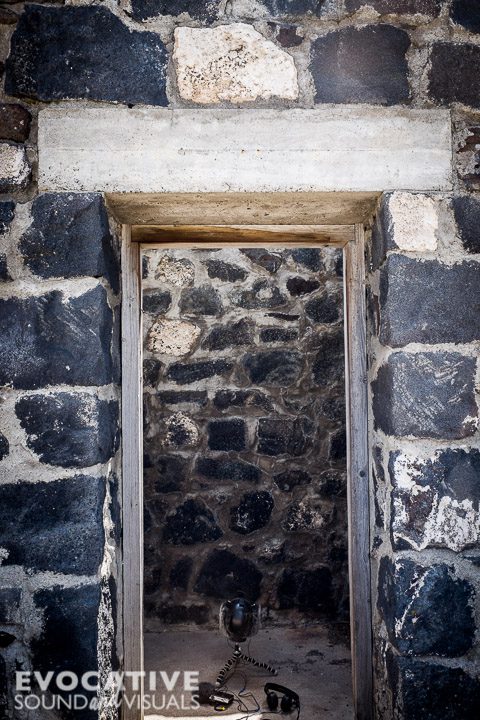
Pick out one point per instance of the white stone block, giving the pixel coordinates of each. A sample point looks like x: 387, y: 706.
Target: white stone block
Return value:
x: 231, y: 63
x: 14, y: 166
x: 415, y: 222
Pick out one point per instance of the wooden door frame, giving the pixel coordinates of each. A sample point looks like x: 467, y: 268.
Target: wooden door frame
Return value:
x: 352, y: 239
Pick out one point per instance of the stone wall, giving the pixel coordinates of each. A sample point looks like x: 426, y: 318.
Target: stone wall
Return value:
x: 244, y: 434
x: 275, y: 53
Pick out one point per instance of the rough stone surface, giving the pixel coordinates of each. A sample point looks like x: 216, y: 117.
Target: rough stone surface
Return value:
x: 231, y: 63
x: 262, y: 294
x: 172, y: 337
x: 50, y: 340
x: 191, y: 523
x: 252, y: 513
x: 227, y: 434
x: 84, y: 52
x: 14, y: 122
x: 55, y: 526
x: 301, y: 286
x: 323, y: 309
x: 278, y: 335
x: 448, y: 62
x: 435, y: 500
x: 4, y: 446
x: 328, y: 364
x: 156, y: 302
x: 467, y: 216
x: 186, y: 373
x: 15, y: 168
x: 225, y: 271
x: 268, y: 260
x: 230, y: 470
x: 181, y: 431
x: 225, y: 575
x: 428, y: 691
x: 232, y: 335
x: 203, y: 300
x: 276, y: 367
x: 290, y: 479
x: 70, y: 237
x: 69, y: 430
x: 407, y: 7
x: 7, y: 213
x: 426, y: 395
x: 294, y: 7
x: 174, y: 271
x: 413, y: 222
x: 365, y: 65
x: 426, y: 610
x: 467, y: 14
x: 424, y: 302
x: 282, y: 435
x: 198, y: 9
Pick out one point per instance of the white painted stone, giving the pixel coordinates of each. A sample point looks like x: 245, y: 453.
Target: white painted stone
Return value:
x: 181, y: 424
x: 175, y: 272
x: 415, y: 221
x: 172, y: 337
x: 156, y: 150
x: 14, y: 166
x: 231, y: 63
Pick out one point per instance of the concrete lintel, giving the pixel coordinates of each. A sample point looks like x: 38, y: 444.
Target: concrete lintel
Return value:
x: 328, y: 149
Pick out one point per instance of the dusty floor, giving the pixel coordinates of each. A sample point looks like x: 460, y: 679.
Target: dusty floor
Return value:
x: 313, y: 661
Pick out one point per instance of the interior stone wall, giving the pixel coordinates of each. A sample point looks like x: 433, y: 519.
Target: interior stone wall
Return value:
x: 244, y: 434
x: 275, y: 53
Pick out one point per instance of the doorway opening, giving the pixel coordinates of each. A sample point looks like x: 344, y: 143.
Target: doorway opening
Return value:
x: 245, y: 440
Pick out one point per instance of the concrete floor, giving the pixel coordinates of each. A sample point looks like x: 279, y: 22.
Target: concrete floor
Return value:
x: 313, y: 661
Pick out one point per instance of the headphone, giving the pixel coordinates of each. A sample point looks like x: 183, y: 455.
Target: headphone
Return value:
x: 289, y: 701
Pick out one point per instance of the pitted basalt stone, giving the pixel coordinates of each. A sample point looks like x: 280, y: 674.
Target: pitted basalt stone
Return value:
x: 152, y: 369
x: 304, y: 516
x: 191, y: 523
x: 323, y: 309
x: 290, y: 479
x: 424, y: 302
x: 426, y: 395
x: 448, y: 62
x: 84, y: 52
x: 7, y: 213
x: 430, y: 8
x: 262, y: 294
x: 467, y: 14
x: 427, y: 610
x: 225, y: 575
x: 186, y: 373
x: 183, y: 397
x: 156, y: 302
x: 203, y: 300
x: 205, y: 10
x: 181, y: 431
x: 55, y: 526
x: 228, y: 434
x: 231, y: 63
x: 69, y: 430
x: 241, y: 398
x: 361, y: 65
x: 338, y: 445
x: 172, y: 337
x: 224, y: 469
x: 297, y: 286
x: 252, y: 513
x: 436, y: 500
x: 170, y: 473
x: 428, y: 691
x: 281, y: 8
x: 310, y: 258
x: 309, y: 590
x: 467, y: 216
x: 225, y: 271
x: 49, y: 340
x: 328, y: 366
x: 70, y: 237
x: 175, y: 271
x: 4, y: 446
x: 232, y: 335
x: 15, y: 168
x: 275, y: 367
x: 14, y: 122
x: 275, y: 334
x: 283, y: 435
x: 267, y: 260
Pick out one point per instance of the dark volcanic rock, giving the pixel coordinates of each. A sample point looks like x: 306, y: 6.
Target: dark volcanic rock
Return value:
x: 365, y: 65
x: 14, y: 122
x: 323, y: 309
x: 307, y: 590
x: 205, y: 10
x: 170, y: 472
x: 183, y: 397
x: 70, y: 237
x: 467, y: 215
x: 267, y: 260
x: 283, y: 435
x: 7, y: 213
x: 68, y: 641
x: 84, y: 52
x: 426, y: 395
x: 69, y: 430
x: 186, y: 373
x: 310, y: 258
x: 262, y: 294
x: 290, y: 479
x: 228, y: 434
x: 230, y: 335
x: 275, y: 367
x: 279, y: 8
x: 467, y: 14
x: 228, y: 470
x: 191, y: 523
x: 424, y: 302
x: 426, y: 609
x: 408, y: 7
x: 156, y: 301
x: 338, y: 445
x: 10, y: 599
x: 152, y: 369
x: 224, y: 575
x: 47, y: 340
x: 276, y: 334
x: 301, y: 286
x: 203, y: 300
x: 241, y: 398
x: 225, y: 271
x: 181, y: 572
x: 252, y: 513
x: 328, y: 366
x: 55, y: 526
x: 4, y: 446
x: 448, y: 62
